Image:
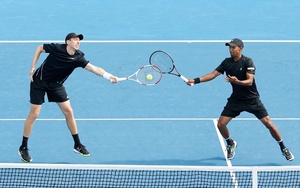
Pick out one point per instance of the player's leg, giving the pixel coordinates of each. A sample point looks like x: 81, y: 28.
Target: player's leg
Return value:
x: 232, y: 109
x: 72, y: 125
x: 37, y: 94
x: 276, y: 135
x: 68, y: 113
x: 28, y: 125
x: 259, y: 110
x: 59, y: 95
x: 231, y: 144
x: 272, y: 128
x: 32, y: 116
x: 222, y: 126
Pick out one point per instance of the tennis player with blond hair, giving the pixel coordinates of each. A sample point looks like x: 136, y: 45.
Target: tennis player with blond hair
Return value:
x: 49, y: 79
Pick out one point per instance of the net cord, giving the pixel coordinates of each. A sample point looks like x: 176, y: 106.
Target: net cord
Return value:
x: 150, y: 167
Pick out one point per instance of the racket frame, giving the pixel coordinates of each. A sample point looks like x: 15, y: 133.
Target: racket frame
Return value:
x: 133, y: 77
x: 173, y: 65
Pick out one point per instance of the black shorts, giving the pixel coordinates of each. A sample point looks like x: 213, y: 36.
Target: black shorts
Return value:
x: 233, y: 108
x: 55, y: 92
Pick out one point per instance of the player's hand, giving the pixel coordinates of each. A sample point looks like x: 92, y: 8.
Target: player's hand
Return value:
x: 31, y: 74
x: 190, y: 82
x: 231, y: 79
x: 114, y: 79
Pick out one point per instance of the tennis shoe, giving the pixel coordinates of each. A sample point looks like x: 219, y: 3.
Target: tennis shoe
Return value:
x: 82, y: 150
x: 23, y: 152
x: 288, y: 155
x: 231, y: 150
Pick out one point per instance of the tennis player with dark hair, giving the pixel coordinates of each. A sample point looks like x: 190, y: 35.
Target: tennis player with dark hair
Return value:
x: 49, y: 78
x: 240, y: 72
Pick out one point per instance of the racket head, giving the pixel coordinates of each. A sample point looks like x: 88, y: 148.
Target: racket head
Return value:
x: 149, y: 75
x: 163, y: 60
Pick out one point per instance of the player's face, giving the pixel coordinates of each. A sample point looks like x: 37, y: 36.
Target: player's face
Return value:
x: 235, y: 51
x: 74, y: 43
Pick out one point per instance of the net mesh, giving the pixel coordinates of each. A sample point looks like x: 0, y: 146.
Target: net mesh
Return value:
x: 17, y: 175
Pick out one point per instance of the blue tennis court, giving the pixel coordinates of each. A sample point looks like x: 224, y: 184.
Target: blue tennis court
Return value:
x: 167, y: 124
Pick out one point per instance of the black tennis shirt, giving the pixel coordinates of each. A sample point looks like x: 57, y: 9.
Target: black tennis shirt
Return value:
x: 59, y: 64
x: 239, y: 70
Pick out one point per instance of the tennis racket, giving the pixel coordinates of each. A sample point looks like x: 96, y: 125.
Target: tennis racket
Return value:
x: 147, y: 75
x: 166, y: 63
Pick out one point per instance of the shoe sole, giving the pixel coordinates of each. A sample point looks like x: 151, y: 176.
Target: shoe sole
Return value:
x: 25, y: 161
x: 84, y: 155
x: 292, y: 158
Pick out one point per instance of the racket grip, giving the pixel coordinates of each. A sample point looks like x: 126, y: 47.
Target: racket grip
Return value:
x: 185, y: 79
x: 122, y: 79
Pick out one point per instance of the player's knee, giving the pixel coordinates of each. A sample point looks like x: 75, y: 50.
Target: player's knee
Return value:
x: 68, y: 113
x: 33, y: 115
x: 268, y: 122
x: 220, y: 125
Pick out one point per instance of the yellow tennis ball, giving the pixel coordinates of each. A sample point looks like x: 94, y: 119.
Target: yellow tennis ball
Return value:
x: 149, y: 77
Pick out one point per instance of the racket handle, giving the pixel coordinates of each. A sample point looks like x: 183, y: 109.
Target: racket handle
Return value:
x: 185, y: 79
x: 122, y: 79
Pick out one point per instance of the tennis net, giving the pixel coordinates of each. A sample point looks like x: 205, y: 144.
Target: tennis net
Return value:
x: 149, y: 176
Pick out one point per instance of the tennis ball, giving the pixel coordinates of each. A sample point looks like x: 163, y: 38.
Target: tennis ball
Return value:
x: 149, y: 77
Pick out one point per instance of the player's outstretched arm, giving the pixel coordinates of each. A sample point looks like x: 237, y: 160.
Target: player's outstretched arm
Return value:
x: 207, y: 77
x: 101, y: 72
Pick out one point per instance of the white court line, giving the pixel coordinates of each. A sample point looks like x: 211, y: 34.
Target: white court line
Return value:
x: 146, y: 119
x: 229, y: 164
x: 149, y: 41
x: 222, y: 142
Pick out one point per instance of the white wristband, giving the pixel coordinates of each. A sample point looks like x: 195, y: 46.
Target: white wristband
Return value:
x: 107, y: 75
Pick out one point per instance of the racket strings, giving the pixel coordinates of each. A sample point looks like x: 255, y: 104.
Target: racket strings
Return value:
x: 163, y: 61
x: 149, y: 75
